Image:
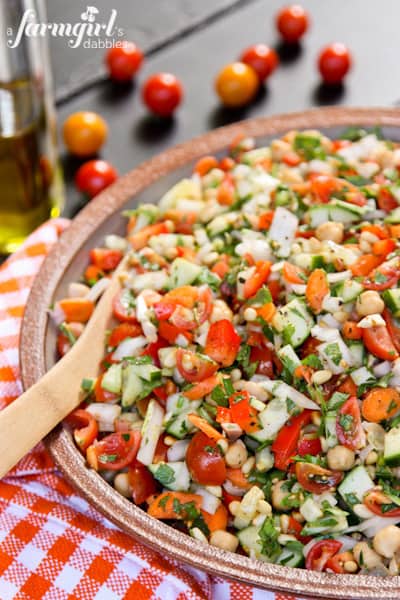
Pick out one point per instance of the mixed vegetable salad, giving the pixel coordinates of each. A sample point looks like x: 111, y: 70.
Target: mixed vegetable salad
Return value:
x: 250, y: 389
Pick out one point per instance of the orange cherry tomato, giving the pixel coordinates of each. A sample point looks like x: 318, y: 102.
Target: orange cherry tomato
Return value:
x: 162, y: 93
x: 334, y: 62
x: 237, y: 84
x: 94, y: 176
x: 262, y: 59
x: 123, y: 62
x: 84, y: 133
x: 292, y: 23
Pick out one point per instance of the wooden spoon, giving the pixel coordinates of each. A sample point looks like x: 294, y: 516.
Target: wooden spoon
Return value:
x: 33, y: 415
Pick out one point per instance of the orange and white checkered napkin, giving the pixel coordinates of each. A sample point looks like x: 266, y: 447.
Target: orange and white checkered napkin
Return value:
x: 53, y: 544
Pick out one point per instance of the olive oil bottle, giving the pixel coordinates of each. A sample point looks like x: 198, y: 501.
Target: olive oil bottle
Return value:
x: 30, y: 181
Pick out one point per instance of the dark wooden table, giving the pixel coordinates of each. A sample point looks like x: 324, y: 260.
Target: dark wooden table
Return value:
x: 193, y: 39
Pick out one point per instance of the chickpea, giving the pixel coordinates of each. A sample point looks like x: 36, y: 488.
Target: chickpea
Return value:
x: 387, y: 541
x: 279, y: 495
x: 121, y: 484
x: 236, y: 455
x: 224, y: 540
x: 220, y: 311
x: 340, y: 458
x: 365, y: 556
x: 369, y: 303
x: 330, y: 231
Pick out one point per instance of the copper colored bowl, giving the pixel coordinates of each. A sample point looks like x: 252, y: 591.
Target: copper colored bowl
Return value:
x: 66, y: 263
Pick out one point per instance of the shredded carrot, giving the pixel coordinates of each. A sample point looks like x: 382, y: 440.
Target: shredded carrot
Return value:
x: 292, y: 273
x: 394, y: 231
x: 205, y: 427
x: 365, y: 264
x: 351, y: 331
x: 267, y: 311
x: 201, y: 389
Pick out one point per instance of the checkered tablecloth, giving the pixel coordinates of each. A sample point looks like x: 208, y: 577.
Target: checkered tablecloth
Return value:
x: 53, y: 544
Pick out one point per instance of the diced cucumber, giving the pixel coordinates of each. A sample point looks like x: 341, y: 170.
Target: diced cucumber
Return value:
x: 249, y: 539
x: 337, y: 210
x: 112, y: 379
x: 147, y: 371
x: 183, y: 272
x: 220, y: 224
x: 294, y: 322
x: 179, y: 426
x: 394, y: 216
x: 291, y: 556
x: 356, y: 483
x: 174, y: 476
x: 151, y: 431
x: 132, y: 386
x: 330, y: 429
x: 289, y: 358
x: 391, y: 452
x: 318, y: 214
x: 362, y: 375
x: 357, y: 350
x: 392, y: 301
x: 273, y: 417
x: 349, y: 290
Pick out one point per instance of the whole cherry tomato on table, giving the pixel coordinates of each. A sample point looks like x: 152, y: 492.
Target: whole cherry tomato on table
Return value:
x: 84, y: 133
x: 162, y: 93
x: 334, y: 62
x: 124, y: 61
x: 262, y: 59
x: 292, y: 23
x: 94, y: 176
x: 237, y: 84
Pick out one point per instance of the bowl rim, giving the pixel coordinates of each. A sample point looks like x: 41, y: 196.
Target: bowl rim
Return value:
x: 131, y: 519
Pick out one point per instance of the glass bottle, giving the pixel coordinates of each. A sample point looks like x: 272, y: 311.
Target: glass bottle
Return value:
x: 30, y: 179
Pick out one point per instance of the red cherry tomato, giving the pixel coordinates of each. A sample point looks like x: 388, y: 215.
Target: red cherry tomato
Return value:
x: 292, y: 23
x: 124, y: 62
x: 142, y: 483
x: 320, y: 553
x: 64, y: 342
x: 348, y: 425
x: 105, y: 259
x: 124, y: 306
x: 117, y: 450
x: 222, y: 344
x: 262, y: 58
x: 162, y: 93
x: 204, y: 460
x: 378, y: 341
x: 315, y: 479
x: 94, y: 176
x: 123, y: 331
x: 334, y: 62
x: 194, y: 367
x: 85, y: 427
x: 285, y: 444
x: 376, y: 501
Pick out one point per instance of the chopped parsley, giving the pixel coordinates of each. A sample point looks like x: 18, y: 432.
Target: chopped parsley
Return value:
x: 333, y: 352
x: 268, y: 535
x: 165, y: 474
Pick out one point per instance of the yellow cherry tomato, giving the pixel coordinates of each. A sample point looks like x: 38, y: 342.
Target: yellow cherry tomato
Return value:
x: 84, y: 133
x: 237, y: 84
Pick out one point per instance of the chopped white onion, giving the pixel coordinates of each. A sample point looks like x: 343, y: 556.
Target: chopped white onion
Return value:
x: 331, y: 303
x: 282, y: 231
x: 210, y: 502
x: 370, y: 527
x: 56, y: 314
x: 258, y: 249
x: 369, y: 321
x: 382, y: 368
x: 105, y: 414
x: 232, y: 489
x: 149, y: 330
x: 336, y: 277
x: 365, y: 451
x: 298, y: 288
x: 129, y: 347
x: 280, y: 389
x: 328, y: 320
x: 177, y: 451
x: 374, y: 214
x: 115, y: 242
x: 97, y: 290
x: 347, y: 542
x: 78, y: 290
x: 324, y: 334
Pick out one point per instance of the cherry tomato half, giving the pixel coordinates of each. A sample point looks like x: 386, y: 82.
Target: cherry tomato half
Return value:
x: 262, y: 59
x: 292, y: 23
x: 124, y: 62
x: 223, y: 343
x: 94, y: 176
x: 123, y: 331
x: 319, y: 555
x: 237, y: 84
x: 115, y: 451
x: 84, y: 133
x: 194, y: 367
x: 204, y: 460
x: 348, y: 425
x: 124, y: 306
x: 85, y: 427
x: 377, y: 501
x: 142, y: 483
x: 162, y: 93
x: 378, y: 341
x: 316, y: 479
x: 334, y: 62
x: 105, y: 259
